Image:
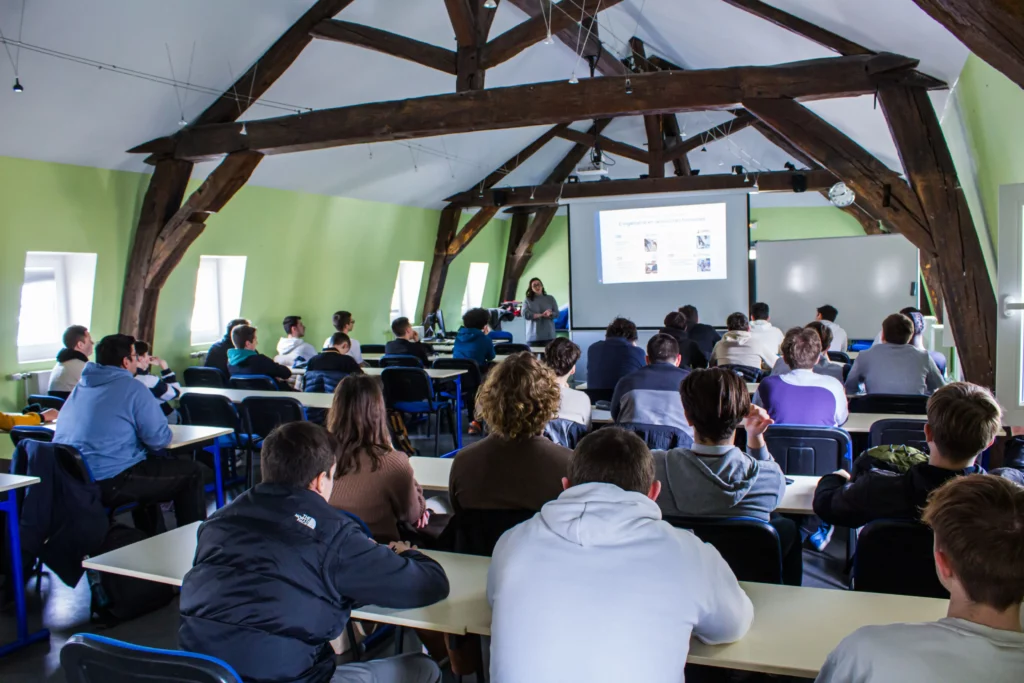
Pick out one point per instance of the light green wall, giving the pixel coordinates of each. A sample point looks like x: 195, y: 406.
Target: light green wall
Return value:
x: 993, y: 111
x: 807, y: 222
x: 550, y: 262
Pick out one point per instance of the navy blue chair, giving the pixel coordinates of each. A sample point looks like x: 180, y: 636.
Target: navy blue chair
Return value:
x: 411, y: 391
x: 899, y: 432
x: 397, y: 360
x: 507, y: 348
x: 565, y: 432
x: 89, y: 658
x: 500, y: 336
x: 260, y: 415
x: 372, y: 348
x: 470, y: 381
x: 895, y: 556
x: 749, y: 546
x: 839, y: 357
x: 253, y: 382
x: 748, y: 373
x: 900, y: 404
x: 214, y: 410
x: 659, y: 437
x: 814, y: 451
x: 197, y: 376
x: 596, y: 395
x: 476, y: 532
x: 46, y: 402
x: 37, y: 433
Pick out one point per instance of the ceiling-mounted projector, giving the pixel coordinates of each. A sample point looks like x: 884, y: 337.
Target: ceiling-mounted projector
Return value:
x: 592, y: 169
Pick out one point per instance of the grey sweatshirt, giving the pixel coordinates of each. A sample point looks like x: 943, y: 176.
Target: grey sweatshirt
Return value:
x: 894, y: 369
x: 541, y: 329
x: 718, y: 481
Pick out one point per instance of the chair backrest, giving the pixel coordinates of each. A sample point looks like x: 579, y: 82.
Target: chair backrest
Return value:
x: 598, y: 394
x: 261, y: 414
x: 46, y: 401
x: 406, y: 385
x: 371, y: 348
x: 59, y: 394
x: 899, y: 432
x: 901, y: 404
x: 68, y: 457
x: 473, y: 377
x: 749, y: 546
x: 478, y: 531
x: 500, y: 335
x: 397, y: 360
x: 748, y: 373
x: 659, y: 437
x: 253, y: 382
x: 565, y: 432
x: 31, y: 432
x: 322, y: 381
x: 839, y: 357
x: 196, y: 376
x: 89, y: 658
x: 895, y: 556
x: 209, y: 410
x: 846, y: 370
x: 814, y: 451
x: 508, y: 348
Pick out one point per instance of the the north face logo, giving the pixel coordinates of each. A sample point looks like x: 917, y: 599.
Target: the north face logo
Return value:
x: 305, y: 520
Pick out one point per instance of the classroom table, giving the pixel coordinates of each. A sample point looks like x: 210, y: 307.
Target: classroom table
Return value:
x: 794, y: 628
x: 751, y: 387
x: 9, y: 484
x: 375, y: 357
x: 859, y: 423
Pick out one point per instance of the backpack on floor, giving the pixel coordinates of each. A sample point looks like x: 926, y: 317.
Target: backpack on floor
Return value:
x: 399, y: 434
x: 116, y: 598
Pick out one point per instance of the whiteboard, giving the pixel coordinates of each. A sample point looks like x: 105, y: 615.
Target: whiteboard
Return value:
x: 866, y: 278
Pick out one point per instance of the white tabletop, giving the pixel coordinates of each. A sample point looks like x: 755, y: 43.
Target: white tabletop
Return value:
x: 310, y: 400
x: 448, y: 355
x: 164, y: 558
x: 751, y: 387
x: 434, y: 374
x: 187, y: 435
x: 799, y: 496
x: 9, y: 482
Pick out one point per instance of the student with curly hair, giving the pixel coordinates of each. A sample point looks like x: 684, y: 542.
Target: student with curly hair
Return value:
x: 514, y: 467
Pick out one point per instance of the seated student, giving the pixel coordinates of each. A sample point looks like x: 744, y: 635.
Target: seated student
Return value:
x: 801, y: 396
x: 600, y: 551
x: 373, y: 481
x: 217, y: 356
x: 963, y: 420
x: 690, y: 354
x: 114, y: 421
x: 71, y: 361
x: 762, y: 330
x: 9, y: 421
x: 614, y: 357
x: 827, y: 315
x: 917, y: 317
x: 472, y: 342
x: 514, y: 467
x: 245, y: 360
x: 738, y: 346
x: 824, y: 366
x: 277, y: 572
x: 978, y: 524
x: 705, y: 336
x: 326, y: 369
x: 292, y: 348
x: 650, y: 395
x: 894, y: 366
x: 164, y: 388
x: 561, y: 355
x: 713, y: 478
x: 407, y: 342
x: 344, y: 322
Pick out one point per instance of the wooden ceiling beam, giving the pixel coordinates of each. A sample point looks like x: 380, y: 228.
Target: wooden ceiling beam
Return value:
x: 470, y: 230
x: 512, y: 164
x: 255, y: 82
x: 582, y: 36
x: 992, y: 29
x: 567, y: 166
x: 388, y: 43
x: 606, y: 144
x: 553, y: 192
x: 463, y: 19
x: 530, y: 32
x: 801, y: 27
x: 540, y: 104
x: 725, y: 129
x: 653, y: 125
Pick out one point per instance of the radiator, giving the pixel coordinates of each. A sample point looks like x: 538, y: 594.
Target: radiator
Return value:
x: 35, y: 382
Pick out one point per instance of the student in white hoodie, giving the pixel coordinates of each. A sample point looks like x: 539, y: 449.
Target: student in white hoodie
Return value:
x: 293, y: 348
x: 827, y: 314
x: 739, y: 347
x: 597, y: 555
x: 762, y: 329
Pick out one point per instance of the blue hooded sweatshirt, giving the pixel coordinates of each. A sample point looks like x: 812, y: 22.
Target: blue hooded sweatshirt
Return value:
x: 473, y: 344
x: 113, y: 420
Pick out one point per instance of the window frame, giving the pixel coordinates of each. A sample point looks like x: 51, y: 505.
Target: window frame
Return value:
x: 1010, y: 295
x: 60, y: 264
x: 220, y: 263
x: 467, y: 303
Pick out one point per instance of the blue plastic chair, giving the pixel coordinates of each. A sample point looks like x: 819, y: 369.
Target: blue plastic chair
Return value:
x: 260, y: 415
x: 89, y: 658
x: 750, y: 546
x: 253, y: 383
x: 398, y: 360
x: 659, y: 437
x: 200, y: 376
x: 895, y: 556
x: 500, y: 335
x: 900, y: 404
x: 899, y: 432
x: 411, y: 391
x: 805, y: 450
x: 46, y: 402
x: 212, y: 410
x: 37, y: 433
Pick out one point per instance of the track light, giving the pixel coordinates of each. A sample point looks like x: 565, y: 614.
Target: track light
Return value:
x: 490, y: 4
x: 629, y: 87
x: 549, y: 40
x: 17, y: 85
x: 574, y: 80
x: 182, y: 122
x: 244, y: 131
x: 756, y: 188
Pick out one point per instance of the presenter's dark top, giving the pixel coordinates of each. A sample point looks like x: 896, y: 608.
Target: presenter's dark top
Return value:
x: 610, y: 360
x: 705, y: 336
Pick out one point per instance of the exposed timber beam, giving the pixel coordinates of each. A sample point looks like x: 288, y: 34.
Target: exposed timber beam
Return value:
x: 470, y: 230
x: 552, y: 193
x: 992, y: 29
x: 512, y: 164
x: 564, y: 168
x: 540, y: 104
x: 582, y: 37
x: 800, y: 26
x: 606, y: 144
x: 653, y: 124
x: 268, y: 68
x: 963, y: 277
x: 463, y: 19
x: 471, y: 22
x: 530, y: 32
x: 520, y: 247
x: 388, y: 43
x: 685, y: 146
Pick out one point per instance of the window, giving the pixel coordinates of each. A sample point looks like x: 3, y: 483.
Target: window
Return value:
x: 218, y: 296
x: 475, y: 284
x: 407, y: 290
x: 1010, y: 325
x: 57, y: 292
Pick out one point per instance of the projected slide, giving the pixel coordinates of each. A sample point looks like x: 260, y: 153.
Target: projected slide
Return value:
x: 662, y: 244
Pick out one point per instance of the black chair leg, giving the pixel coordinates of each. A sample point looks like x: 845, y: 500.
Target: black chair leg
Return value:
x: 352, y: 643
x: 437, y: 433
x: 399, y: 637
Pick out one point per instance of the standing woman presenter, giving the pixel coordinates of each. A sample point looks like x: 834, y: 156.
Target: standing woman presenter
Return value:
x: 539, y: 311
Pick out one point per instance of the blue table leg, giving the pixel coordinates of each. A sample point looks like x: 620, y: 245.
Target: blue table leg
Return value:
x: 14, y: 533
x: 458, y: 411
x: 218, y: 476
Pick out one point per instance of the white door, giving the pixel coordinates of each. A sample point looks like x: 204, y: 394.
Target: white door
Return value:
x: 1010, y: 331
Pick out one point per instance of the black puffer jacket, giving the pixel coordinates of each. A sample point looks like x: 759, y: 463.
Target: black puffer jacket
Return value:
x: 275, y: 576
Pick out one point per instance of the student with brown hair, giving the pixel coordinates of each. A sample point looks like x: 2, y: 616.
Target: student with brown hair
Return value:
x: 689, y: 351
x: 824, y: 366
x: 739, y: 347
x: 979, y: 557
x: 650, y: 395
x: 561, y: 355
x: 514, y: 467
x: 895, y: 366
x: 615, y: 356
x: 963, y: 420
x: 801, y: 397
x: 373, y: 481
x: 407, y: 342
x: 244, y: 359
